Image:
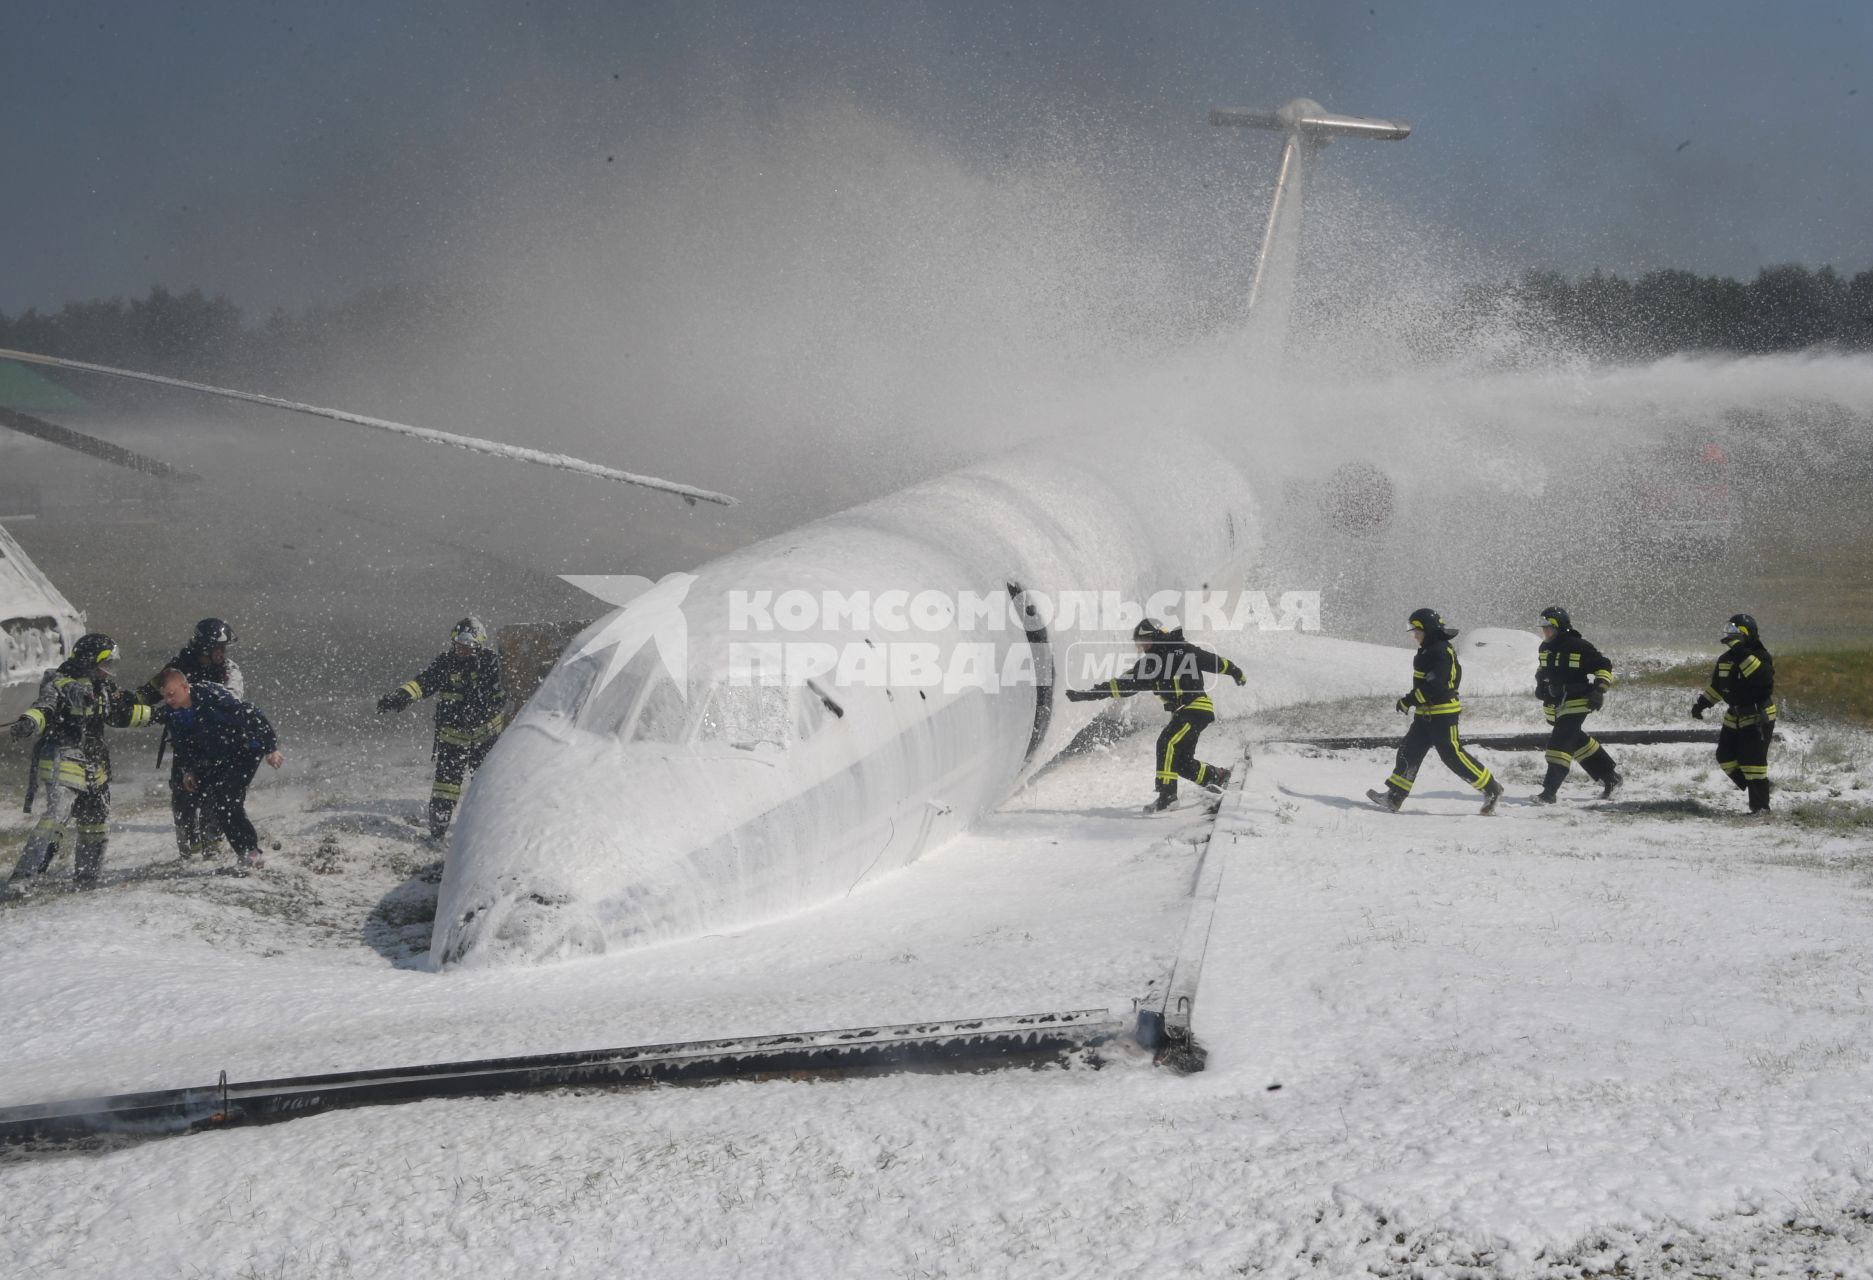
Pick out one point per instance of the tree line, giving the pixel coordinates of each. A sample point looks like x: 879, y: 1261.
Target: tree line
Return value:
x: 1602, y: 314
x: 1672, y: 312
x: 208, y: 339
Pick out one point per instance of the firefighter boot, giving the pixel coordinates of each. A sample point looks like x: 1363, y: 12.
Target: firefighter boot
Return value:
x: 1759, y: 796
x: 41, y: 847
x: 87, y: 863
x: 1492, y: 792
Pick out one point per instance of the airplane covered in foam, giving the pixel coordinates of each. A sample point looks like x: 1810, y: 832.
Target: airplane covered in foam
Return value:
x: 631, y: 804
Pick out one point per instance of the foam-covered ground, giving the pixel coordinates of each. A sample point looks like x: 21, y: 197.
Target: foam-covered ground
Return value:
x: 1634, y: 1036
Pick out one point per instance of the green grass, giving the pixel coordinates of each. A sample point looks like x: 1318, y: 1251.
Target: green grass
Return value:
x: 1828, y: 684
x: 1830, y: 816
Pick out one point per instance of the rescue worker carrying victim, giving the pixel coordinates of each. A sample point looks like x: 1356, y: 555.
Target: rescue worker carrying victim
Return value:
x: 466, y: 683
x: 1744, y: 677
x: 72, y: 760
x: 204, y: 657
x: 220, y: 742
x: 1172, y: 667
x: 1434, y: 705
x: 1571, y: 679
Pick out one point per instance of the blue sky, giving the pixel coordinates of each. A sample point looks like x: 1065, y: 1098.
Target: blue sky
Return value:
x: 285, y: 153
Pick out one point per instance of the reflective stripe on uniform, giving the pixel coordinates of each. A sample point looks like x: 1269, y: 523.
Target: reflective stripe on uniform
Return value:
x: 1399, y: 782
x: 1559, y: 757
x: 412, y: 688
x: 139, y: 716
x: 1165, y: 772
x: 1593, y: 745
x: 469, y: 737
x: 75, y: 774
x: 1201, y: 704
x: 38, y: 718
x: 1749, y: 666
x: 1450, y: 708
x: 1480, y: 774
x: 446, y: 791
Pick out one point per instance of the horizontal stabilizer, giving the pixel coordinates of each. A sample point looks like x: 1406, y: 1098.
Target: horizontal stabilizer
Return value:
x: 1318, y: 123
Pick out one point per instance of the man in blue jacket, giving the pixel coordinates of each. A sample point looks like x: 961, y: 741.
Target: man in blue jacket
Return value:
x: 220, y: 742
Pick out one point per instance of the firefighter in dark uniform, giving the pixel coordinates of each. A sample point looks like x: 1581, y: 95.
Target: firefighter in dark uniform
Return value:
x: 1434, y: 706
x: 1172, y: 667
x: 470, y: 698
x: 1744, y: 678
x: 72, y: 761
x: 1571, y: 679
x: 204, y: 657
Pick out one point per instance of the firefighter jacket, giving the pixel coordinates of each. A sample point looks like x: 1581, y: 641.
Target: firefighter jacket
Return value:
x: 72, y: 710
x: 1566, y: 667
x: 1173, y: 670
x: 1744, y: 677
x: 217, y: 729
x: 1435, y: 677
x: 197, y: 663
x: 469, y: 697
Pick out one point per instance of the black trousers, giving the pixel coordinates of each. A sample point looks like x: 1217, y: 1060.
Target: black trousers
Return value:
x: 1570, y: 744
x: 454, y: 763
x: 222, y: 788
x: 1177, y: 751
x: 1743, y: 755
x: 1428, y: 733
x: 196, y: 828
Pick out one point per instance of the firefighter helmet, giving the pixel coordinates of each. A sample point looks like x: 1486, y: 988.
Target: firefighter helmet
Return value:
x: 470, y: 631
x: 1431, y: 622
x: 1555, y: 616
x: 93, y: 649
x: 1741, y: 624
x: 210, y: 632
x: 1150, y: 630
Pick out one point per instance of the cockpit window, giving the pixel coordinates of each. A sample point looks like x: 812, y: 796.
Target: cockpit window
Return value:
x: 639, y: 701
x: 749, y: 716
x: 663, y: 715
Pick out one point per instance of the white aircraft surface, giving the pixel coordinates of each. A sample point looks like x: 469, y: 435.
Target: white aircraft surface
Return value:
x: 38, y: 627
x: 620, y: 810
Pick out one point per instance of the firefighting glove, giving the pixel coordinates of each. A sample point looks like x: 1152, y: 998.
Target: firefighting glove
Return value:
x: 1699, y: 707
x: 394, y: 701
x: 1404, y: 706
x: 1596, y: 697
x: 1083, y: 695
x: 1240, y: 678
x: 23, y: 728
